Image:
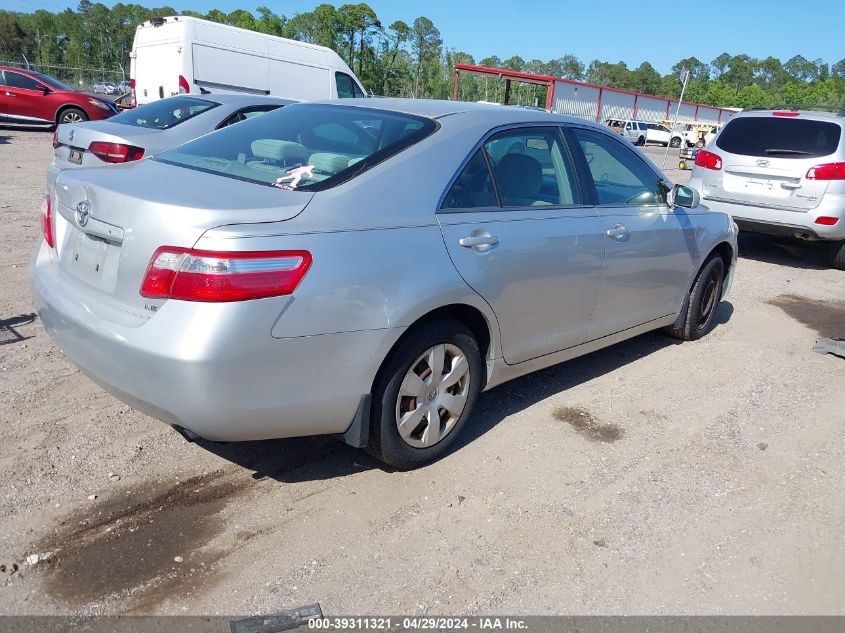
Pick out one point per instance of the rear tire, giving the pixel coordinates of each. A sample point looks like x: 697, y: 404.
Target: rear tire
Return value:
x: 73, y: 115
x: 675, y: 142
x: 704, y: 298
x: 837, y: 255
x: 641, y: 141
x: 408, y: 383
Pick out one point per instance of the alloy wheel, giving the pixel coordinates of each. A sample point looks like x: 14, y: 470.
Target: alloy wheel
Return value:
x: 432, y: 396
x: 72, y: 117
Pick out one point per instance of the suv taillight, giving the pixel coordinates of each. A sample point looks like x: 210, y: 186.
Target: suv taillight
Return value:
x: 708, y: 160
x: 193, y: 275
x: 828, y: 171
x: 184, y: 86
x: 115, y: 152
x: 47, y: 220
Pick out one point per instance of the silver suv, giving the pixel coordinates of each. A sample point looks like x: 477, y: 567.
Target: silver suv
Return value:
x: 779, y: 172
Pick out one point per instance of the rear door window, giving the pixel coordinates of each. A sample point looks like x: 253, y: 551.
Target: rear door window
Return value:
x: 780, y: 137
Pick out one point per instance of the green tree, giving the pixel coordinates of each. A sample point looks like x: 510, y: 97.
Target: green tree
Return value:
x: 753, y: 96
x: 425, y: 46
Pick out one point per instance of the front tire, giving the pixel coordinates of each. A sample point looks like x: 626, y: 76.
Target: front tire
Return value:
x: 73, y: 115
x: 704, y: 298
x: 641, y: 141
x: 837, y: 255
x: 424, y: 394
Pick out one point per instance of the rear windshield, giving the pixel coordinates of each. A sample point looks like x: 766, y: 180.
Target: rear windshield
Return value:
x: 164, y: 114
x: 307, y: 147
x: 782, y: 137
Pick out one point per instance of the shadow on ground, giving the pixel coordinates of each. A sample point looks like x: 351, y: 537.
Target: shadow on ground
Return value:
x: 8, y: 331
x: 319, y: 458
x: 784, y: 251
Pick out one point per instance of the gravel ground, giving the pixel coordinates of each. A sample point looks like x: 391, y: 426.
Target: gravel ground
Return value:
x: 648, y: 478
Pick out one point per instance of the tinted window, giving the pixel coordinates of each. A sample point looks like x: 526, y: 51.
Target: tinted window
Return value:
x: 473, y: 187
x: 302, y: 146
x: 779, y: 136
x: 531, y: 168
x: 53, y: 83
x: 620, y: 176
x: 247, y: 113
x: 164, y: 114
x: 17, y: 80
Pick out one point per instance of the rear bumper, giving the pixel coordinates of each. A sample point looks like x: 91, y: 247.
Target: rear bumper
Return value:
x: 208, y: 367
x: 800, y: 224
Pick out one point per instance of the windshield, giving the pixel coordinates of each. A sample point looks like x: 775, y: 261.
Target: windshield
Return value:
x: 780, y: 137
x: 53, y: 83
x: 164, y: 114
x: 307, y: 147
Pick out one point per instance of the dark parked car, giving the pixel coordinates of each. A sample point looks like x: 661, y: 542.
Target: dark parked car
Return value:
x: 35, y: 99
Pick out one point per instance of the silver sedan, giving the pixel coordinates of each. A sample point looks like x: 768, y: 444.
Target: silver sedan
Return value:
x: 150, y: 129
x: 367, y: 268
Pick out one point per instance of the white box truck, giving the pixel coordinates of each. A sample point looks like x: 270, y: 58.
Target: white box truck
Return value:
x: 180, y: 54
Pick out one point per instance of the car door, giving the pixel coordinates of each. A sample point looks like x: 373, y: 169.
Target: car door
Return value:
x: 3, y: 97
x: 520, y: 232
x: 650, y: 247
x: 26, y: 100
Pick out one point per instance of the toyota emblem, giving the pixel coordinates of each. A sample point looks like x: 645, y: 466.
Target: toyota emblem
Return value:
x: 70, y: 136
x: 83, y: 209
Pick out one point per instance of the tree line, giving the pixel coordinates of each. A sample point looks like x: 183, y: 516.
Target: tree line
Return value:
x: 410, y: 59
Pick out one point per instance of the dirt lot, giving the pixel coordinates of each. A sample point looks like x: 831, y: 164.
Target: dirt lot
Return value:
x: 649, y: 478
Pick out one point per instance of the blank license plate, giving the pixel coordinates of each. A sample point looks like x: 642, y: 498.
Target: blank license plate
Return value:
x: 75, y: 155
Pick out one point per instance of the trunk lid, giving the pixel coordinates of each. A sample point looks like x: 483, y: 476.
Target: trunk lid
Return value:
x: 79, y: 136
x: 110, y: 220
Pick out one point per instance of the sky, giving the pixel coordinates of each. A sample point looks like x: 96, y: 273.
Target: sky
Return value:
x: 611, y: 30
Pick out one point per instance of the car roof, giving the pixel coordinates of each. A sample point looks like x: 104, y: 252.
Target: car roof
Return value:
x: 435, y: 109
x: 229, y: 98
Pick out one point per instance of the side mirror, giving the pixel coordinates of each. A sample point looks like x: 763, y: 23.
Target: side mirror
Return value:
x: 681, y: 196
x: 45, y: 90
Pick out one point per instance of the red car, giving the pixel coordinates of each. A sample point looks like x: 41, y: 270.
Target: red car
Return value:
x: 35, y: 99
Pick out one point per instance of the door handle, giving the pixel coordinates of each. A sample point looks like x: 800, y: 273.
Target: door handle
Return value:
x: 619, y: 232
x: 481, y: 243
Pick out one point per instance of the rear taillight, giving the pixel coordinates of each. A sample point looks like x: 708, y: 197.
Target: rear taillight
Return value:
x: 826, y: 220
x: 184, y: 86
x: 115, y: 152
x: 193, y: 275
x: 56, y: 139
x: 708, y: 160
x: 47, y: 220
x: 785, y: 113
x: 828, y: 171
x: 131, y: 84
x: 132, y: 100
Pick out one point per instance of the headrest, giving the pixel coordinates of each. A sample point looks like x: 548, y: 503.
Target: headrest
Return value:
x: 519, y: 176
x: 281, y: 151
x: 329, y: 162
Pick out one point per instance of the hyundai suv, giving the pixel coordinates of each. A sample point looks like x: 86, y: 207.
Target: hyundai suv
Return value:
x: 780, y: 172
